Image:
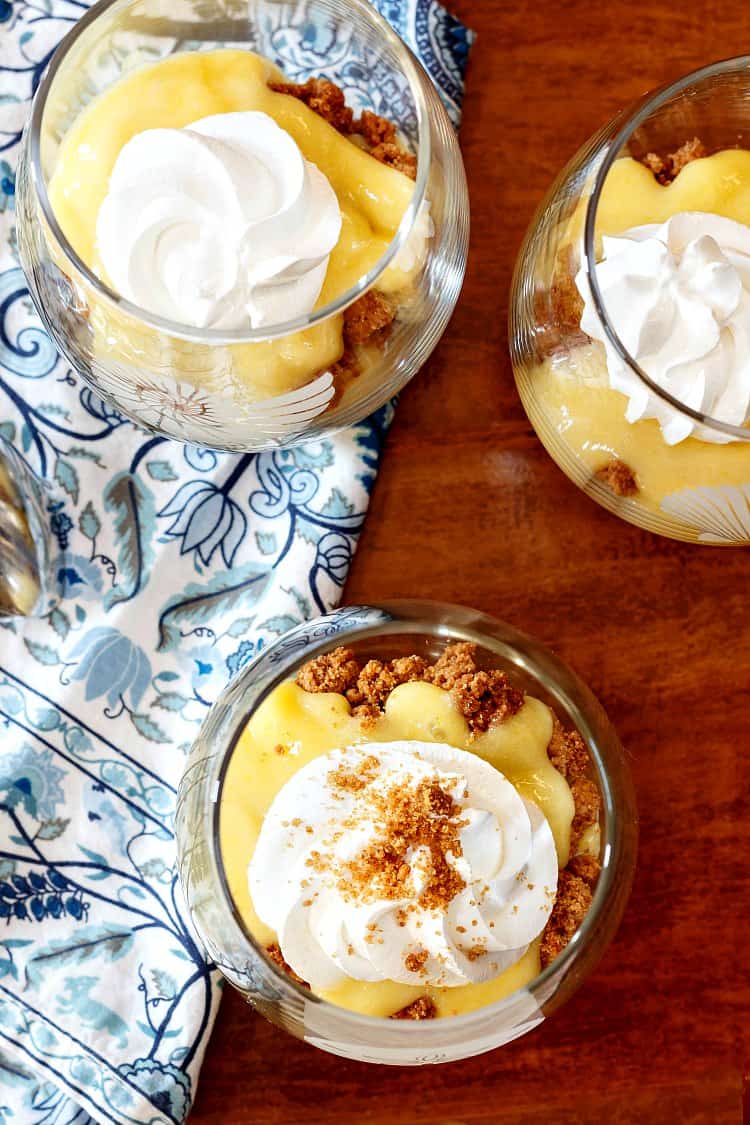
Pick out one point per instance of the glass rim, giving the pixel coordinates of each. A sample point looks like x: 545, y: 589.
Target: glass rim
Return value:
x: 401, y: 616
x: 415, y: 76
x: 645, y: 108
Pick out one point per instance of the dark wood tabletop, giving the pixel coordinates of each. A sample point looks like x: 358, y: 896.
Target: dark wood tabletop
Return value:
x: 469, y: 508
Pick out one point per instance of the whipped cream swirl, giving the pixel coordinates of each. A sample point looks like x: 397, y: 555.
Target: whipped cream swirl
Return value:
x: 415, y: 915
x: 678, y: 296
x: 221, y: 225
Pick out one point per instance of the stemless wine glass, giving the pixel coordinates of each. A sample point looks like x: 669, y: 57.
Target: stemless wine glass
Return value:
x: 171, y: 378
x: 699, y: 489
x: 382, y: 632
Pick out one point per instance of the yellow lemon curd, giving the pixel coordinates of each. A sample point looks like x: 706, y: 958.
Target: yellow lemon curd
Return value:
x: 572, y: 393
x: 172, y: 94
x: 306, y: 725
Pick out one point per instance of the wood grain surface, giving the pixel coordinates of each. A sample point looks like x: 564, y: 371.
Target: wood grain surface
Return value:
x: 469, y: 508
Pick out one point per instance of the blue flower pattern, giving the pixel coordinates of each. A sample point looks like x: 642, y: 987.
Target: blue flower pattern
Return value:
x: 176, y: 566
x: 205, y: 520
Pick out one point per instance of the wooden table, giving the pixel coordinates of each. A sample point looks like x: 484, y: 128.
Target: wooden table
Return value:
x: 469, y: 508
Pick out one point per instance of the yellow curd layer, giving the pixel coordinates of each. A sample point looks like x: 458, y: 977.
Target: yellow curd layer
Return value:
x: 306, y: 725
x: 573, y: 392
x: 172, y: 94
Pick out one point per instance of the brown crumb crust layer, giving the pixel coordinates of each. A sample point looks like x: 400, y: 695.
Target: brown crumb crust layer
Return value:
x: 367, y: 321
x: 587, y: 804
x: 322, y: 97
x: 571, y: 906
x: 378, y: 133
x: 566, y: 302
x: 423, y: 1008
x: 667, y: 168
x: 484, y: 698
x: 585, y: 867
x: 618, y: 477
x: 568, y: 754
x: 370, y: 313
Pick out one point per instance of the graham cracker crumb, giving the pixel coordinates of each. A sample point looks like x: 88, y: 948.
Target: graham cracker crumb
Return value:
x: 377, y: 680
x: 618, y: 477
x: 390, y: 153
x: 571, y: 906
x: 567, y: 752
x: 379, y: 134
x: 416, y: 961
x: 458, y: 659
x: 411, y: 816
x: 476, y: 951
x: 335, y: 671
x: 322, y: 97
x: 566, y: 303
x: 667, y: 168
x: 370, y: 313
x: 585, y: 867
x: 274, y: 953
x: 279, y: 748
x: 355, y: 780
x: 367, y: 713
x: 420, y: 1009
x: 483, y: 698
x: 558, y: 308
x: 375, y: 129
x: 587, y: 803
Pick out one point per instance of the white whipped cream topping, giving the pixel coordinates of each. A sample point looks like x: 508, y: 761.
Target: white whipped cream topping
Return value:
x: 222, y: 224
x: 508, y: 865
x: 678, y: 296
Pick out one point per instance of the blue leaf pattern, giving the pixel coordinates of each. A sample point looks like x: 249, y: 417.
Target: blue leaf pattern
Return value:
x: 176, y: 566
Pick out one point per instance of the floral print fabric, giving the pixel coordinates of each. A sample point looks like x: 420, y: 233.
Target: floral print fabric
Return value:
x: 175, y: 565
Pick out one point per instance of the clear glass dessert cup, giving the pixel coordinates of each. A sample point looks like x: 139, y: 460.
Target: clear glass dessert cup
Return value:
x: 177, y: 380
x: 386, y: 631
x: 697, y: 490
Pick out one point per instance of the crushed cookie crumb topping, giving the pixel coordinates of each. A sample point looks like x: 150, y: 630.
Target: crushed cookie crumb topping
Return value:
x: 571, y: 906
x: 618, y: 477
x: 567, y: 752
x: 416, y: 960
x: 667, y: 168
x: 423, y: 1008
x: 410, y: 816
x: 371, y: 313
x: 484, y: 698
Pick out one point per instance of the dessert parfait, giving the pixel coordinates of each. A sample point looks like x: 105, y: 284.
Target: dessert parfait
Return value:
x: 409, y: 839
x: 226, y: 250
x: 631, y: 314
x: 405, y: 829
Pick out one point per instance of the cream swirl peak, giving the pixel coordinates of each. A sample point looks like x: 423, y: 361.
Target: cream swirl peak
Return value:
x: 678, y: 296
x: 222, y: 224
x: 413, y: 862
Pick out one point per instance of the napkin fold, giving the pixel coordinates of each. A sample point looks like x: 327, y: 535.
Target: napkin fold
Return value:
x: 176, y: 565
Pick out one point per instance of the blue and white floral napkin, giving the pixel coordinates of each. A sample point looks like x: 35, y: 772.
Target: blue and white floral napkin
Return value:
x: 176, y: 565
